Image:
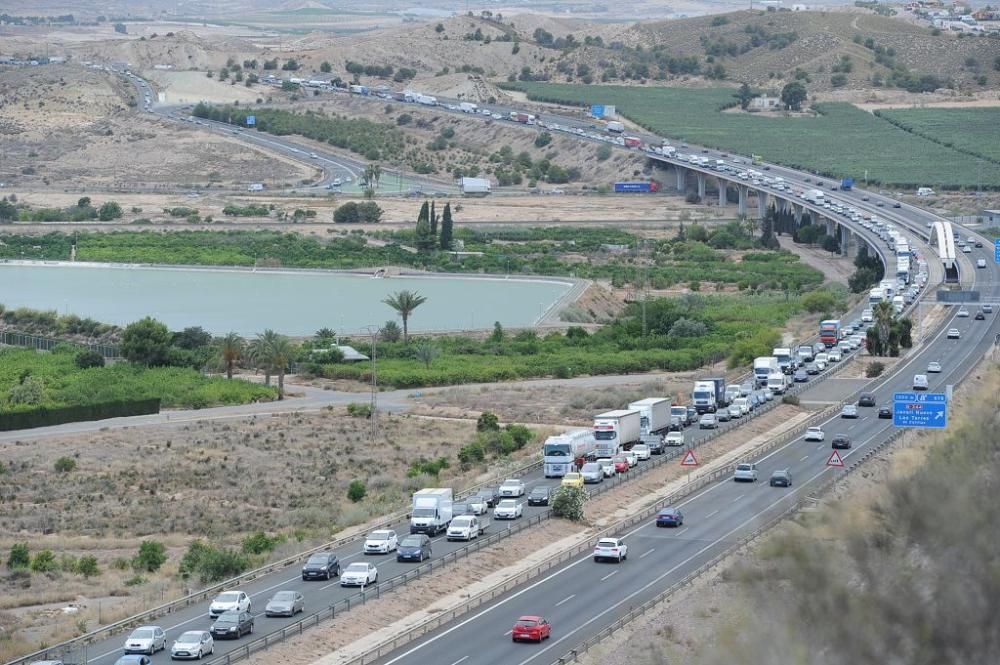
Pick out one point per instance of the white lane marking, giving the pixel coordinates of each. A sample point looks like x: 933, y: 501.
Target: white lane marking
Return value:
x: 714, y: 512
x: 323, y: 588
x: 463, y: 658
x: 611, y: 574
x: 647, y: 553
x: 508, y: 633
x: 568, y: 598
x: 738, y: 498
x: 682, y: 531
x: 803, y: 459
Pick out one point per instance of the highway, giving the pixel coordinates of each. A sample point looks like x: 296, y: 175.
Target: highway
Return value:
x: 582, y: 597
x: 579, y: 600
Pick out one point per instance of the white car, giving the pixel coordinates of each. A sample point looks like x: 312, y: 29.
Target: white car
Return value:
x: 933, y: 367
x: 963, y: 313
x: 745, y: 472
x: 708, y: 421
x: 607, y: 466
x: 822, y: 358
x: 359, y: 574
x: 920, y: 382
x: 815, y: 434
x: 146, y: 639
x: 229, y: 601
x: 633, y: 459
x: 382, y: 541
x: 512, y: 487
x: 954, y: 334
x: 464, y: 527
x: 610, y: 549
x: 674, y: 439
x: 735, y: 411
x: 477, y: 505
x: 867, y: 316
x: 192, y: 644
x: 508, y: 509
x: 834, y: 356
x: 642, y: 451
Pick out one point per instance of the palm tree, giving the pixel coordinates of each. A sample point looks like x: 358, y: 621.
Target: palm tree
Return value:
x: 426, y: 353
x: 232, y: 347
x: 273, y: 352
x: 404, y: 302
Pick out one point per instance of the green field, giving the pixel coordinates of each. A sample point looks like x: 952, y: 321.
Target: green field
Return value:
x: 841, y: 141
x: 65, y: 384
x: 974, y: 131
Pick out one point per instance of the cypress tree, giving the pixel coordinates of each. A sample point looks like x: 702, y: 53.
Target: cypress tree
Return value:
x: 446, y: 227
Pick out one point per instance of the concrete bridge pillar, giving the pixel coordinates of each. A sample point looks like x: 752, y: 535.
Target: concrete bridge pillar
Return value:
x: 701, y: 185
x: 723, y: 186
x: 761, y: 204
x: 744, y: 193
x: 797, y: 213
x: 831, y: 226
x: 681, y: 177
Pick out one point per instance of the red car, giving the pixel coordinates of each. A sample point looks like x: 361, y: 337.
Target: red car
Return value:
x: 531, y: 628
x: 621, y: 463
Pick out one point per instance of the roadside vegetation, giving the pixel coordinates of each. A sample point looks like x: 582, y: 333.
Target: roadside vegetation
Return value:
x: 844, y: 141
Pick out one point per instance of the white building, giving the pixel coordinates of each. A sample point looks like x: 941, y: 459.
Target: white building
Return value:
x: 765, y: 103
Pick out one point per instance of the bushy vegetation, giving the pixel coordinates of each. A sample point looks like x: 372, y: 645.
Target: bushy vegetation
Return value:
x: 372, y: 140
x: 59, y: 382
x: 568, y: 503
x: 83, y: 211
x: 207, y: 563
x: 843, y: 140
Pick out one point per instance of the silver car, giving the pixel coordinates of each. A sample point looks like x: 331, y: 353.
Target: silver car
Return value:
x: 592, y: 472
x: 285, y: 604
x: 194, y: 645
x: 146, y: 639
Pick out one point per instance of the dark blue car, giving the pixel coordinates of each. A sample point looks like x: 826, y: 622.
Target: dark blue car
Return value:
x: 670, y: 517
x: 415, y: 547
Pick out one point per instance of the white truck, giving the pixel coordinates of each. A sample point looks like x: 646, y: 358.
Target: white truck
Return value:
x: 814, y: 196
x: 654, y: 414
x: 432, y: 510
x: 615, y: 126
x: 777, y: 383
x: 785, y: 360
x: 560, y: 452
x: 763, y: 367
x: 468, y: 107
x: 616, y: 431
x: 426, y: 100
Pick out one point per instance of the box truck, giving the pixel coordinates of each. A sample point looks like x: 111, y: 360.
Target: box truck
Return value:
x: 786, y: 363
x: 615, y: 126
x: 431, y: 511
x: 708, y: 395
x: 616, y: 431
x: 562, y: 451
x: 763, y: 367
x: 654, y: 414
x: 829, y: 332
x: 777, y: 383
x: 468, y: 107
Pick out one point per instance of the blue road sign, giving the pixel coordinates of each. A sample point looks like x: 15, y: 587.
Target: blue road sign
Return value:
x: 597, y: 111
x: 920, y: 410
x: 251, y: 120
x: 996, y: 250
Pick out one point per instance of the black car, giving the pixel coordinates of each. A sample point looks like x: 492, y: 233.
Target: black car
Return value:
x: 539, y: 496
x: 232, y: 625
x: 491, y: 495
x: 321, y: 566
x: 841, y: 441
x: 979, y: 244
x: 980, y: 316
x: 896, y: 205
x: 884, y: 412
x: 781, y: 478
x: 415, y: 547
x: 866, y: 399
x: 800, y: 376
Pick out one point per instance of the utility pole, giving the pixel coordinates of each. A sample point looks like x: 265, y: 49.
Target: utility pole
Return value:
x: 373, y: 331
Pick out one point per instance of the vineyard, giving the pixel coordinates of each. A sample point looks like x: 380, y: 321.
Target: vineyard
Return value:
x: 973, y: 131
x: 840, y: 141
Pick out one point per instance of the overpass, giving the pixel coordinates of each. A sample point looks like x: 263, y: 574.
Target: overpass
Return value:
x: 943, y: 237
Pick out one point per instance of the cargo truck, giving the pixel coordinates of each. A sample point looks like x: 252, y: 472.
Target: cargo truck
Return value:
x: 616, y: 431
x: 708, y: 395
x: 679, y: 418
x: 847, y: 184
x: 654, y: 414
x: 829, y: 332
x: 561, y: 452
x: 633, y: 141
x: 615, y: 126
x: 431, y: 511
x: 636, y: 187
x: 786, y: 363
x: 763, y: 367
x: 468, y: 107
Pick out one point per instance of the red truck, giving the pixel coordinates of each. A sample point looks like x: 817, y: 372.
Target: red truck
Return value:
x: 633, y: 141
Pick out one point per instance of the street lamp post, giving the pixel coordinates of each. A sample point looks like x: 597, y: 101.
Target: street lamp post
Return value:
x: 373, y: 331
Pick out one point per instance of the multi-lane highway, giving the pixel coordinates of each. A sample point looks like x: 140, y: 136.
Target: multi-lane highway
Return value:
x: 583, y: 596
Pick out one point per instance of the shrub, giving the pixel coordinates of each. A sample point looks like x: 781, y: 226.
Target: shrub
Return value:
x: 357, y: 491
x: 427, y: 467
x: 359, y: 410
x: 87, y: 359
x: 152, y: 554
x: 874, y: 369
x: 567, y: 502
x: 87, y: 566
x: 260, y: 542
x: 19, y: 556
x: 135, y: 580
x: 44, y: 562
x: 211, y: 564
x: 65, y: 464
x: 487, y: 422
x: 790, y: 399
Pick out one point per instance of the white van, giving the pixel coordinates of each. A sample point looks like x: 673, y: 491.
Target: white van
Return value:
x: 925, y: 191
x: 898, y: 303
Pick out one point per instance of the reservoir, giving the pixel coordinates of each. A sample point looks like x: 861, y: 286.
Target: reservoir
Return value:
x: 292, y: 302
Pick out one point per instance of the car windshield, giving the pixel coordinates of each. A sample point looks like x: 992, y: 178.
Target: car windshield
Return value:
x: 410, y: 542
x: 379, y: 535
x: 142, y: 634
x: 229, y: 597
x: 318, y: 559
x: 607, y: 543
x: 228, y: 617
x: 507, y: 503
x: 511, y: 483
x: 190, y: 636
x: 592, y: 467
x: 527, y: 623
x: 284, y: 595
x: 743, y: 467
x: 540, y: 490
x: 424, y: 512
x: 358, y: 568
x: 461, y: 521
x: 619, y: 458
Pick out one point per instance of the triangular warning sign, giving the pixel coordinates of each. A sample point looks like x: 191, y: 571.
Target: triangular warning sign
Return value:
x: 835, y: 459
x: 689, y: 459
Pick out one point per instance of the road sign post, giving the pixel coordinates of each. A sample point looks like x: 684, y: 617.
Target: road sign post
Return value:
x: 996, y: 250
x: 835, y: 460
x: 926, y: 410
x: 689, y: 462
x: 251, y: 120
